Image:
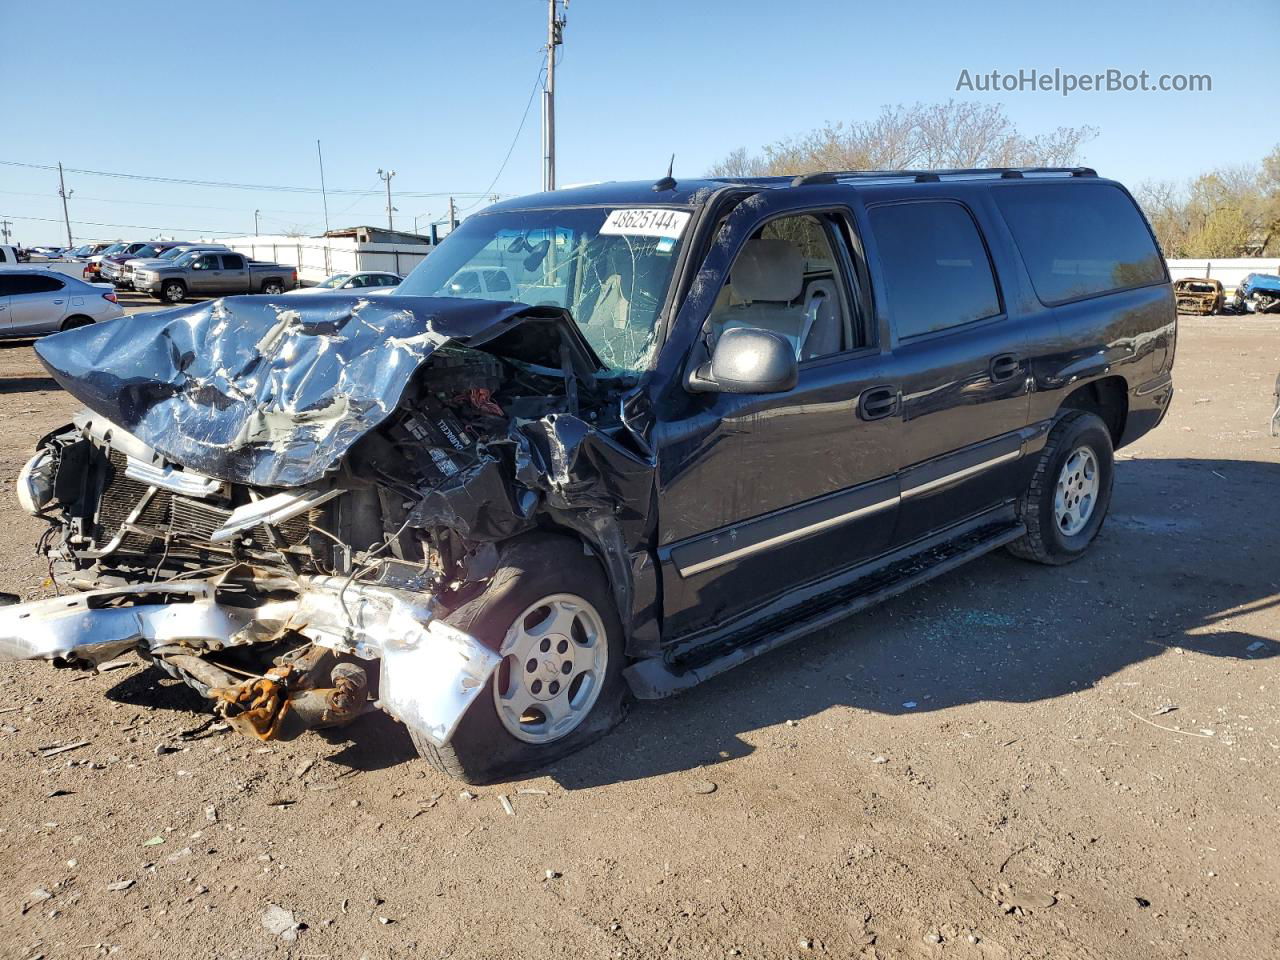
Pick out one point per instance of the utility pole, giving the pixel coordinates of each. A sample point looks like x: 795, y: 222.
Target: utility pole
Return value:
x: 323, y: 195
x: 255, y: 223
x: 452, y: 222
x: 555, y: 37
x: 386, y: 176
x: 63, y: 192
x: 4, y: 228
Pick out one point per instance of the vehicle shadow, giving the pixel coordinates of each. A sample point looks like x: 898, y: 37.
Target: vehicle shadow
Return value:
x: 999, y: 629
x: 1171, y: 569
x: 27, y: 384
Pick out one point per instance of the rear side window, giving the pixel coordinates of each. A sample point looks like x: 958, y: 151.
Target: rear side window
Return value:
x: 25, y: 283
x: 33, y: 283
x: 496, y: 281
x: 936, y: 270
x: 235, y: 262
x: 1079, y: 240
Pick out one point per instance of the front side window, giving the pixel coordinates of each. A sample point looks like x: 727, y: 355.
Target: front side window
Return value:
x: 787, y: 279
x: 1079, y: 239
x: 609, y: 267
x: 206, y: 262
x: 937, y: 274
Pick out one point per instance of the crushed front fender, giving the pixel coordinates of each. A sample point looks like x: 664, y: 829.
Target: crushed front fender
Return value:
x: 429, y: 672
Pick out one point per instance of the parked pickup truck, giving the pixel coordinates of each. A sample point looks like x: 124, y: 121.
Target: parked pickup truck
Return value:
x: 210, y: 274
x: 704, y: 419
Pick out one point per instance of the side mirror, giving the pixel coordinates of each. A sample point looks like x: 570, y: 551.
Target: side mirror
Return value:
x: 748, y: 360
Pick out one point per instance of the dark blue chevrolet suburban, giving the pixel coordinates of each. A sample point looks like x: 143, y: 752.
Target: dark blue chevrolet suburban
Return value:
x: 682, y: 424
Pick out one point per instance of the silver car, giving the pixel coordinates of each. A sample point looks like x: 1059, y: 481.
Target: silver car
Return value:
x: 36, y: 302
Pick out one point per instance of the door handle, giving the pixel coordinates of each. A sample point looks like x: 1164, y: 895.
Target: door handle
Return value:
x: 1004, y: 367
x: 877, y: 403
x: 58, y: 301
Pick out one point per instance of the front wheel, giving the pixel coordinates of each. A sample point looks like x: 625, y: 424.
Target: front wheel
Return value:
x: 1067, y: 500
x: 173, y: 291
x: 550, y: 613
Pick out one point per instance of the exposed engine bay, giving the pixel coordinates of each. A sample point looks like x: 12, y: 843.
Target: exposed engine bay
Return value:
x: 265, y: 501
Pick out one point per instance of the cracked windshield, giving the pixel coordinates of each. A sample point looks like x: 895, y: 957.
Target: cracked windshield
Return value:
x: 608, y: 267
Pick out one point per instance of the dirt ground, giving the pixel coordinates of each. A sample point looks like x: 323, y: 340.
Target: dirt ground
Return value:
x: 1013, y: 761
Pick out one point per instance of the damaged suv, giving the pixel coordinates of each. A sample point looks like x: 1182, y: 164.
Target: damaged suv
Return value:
x: 712, y: 416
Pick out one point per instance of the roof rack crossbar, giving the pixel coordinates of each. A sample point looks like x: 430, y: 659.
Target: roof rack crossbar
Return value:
x: 934, y: 176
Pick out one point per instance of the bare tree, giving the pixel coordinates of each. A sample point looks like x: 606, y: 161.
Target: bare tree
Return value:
x: 951, y: 134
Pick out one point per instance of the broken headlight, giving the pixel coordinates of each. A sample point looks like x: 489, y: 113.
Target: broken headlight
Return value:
x: 35, y: 481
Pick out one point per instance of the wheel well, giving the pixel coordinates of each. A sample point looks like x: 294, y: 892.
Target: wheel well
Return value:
x: 71, y: 321
x: 270, y: 280
x: 1108, y: 398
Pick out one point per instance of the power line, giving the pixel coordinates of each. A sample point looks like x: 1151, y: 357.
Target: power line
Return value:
x: 132, y: 226
x: 225, y: 184
x: 520, y: 129
x: 184, y: 206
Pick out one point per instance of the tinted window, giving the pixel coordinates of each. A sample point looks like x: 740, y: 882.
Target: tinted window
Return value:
x: 3, y: 258
x: 1079, y: 240
x: 233, y: 262
x: 936, y: 270
x: 496, y: 281
x: 18, y: 284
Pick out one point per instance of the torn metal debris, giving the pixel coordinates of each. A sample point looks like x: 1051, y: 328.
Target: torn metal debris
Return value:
x: 278, y: 504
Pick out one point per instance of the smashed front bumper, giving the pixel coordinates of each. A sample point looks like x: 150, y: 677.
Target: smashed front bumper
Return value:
x: 429, y: 672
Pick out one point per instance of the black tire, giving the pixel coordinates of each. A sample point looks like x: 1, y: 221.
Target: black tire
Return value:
x: 273, y: 288
x: 1045, y: 541
x: 173, y: 291
x: 482, y: 750
x: 76, y: 322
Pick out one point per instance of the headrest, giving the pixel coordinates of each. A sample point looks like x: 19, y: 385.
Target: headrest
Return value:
x: 768, y: 270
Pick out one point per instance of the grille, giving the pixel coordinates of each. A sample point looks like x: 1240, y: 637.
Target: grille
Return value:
x: 187, y: 520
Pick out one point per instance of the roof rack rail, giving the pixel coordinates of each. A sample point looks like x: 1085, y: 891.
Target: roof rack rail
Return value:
x: 934, y: 176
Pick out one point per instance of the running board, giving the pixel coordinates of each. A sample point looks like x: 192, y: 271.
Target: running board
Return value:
x: 655, y: 677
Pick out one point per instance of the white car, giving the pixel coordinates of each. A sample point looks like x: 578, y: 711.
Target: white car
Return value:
x: 365, y: 281
x: 36, y: 302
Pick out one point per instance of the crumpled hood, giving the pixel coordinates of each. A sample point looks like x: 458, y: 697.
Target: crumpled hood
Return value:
x: 272, y: 393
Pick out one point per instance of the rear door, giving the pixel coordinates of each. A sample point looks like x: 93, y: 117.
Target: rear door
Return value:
x: 37, y: 304
x: 6, y: 287
x: 235, y: 273
x: 958, y: 364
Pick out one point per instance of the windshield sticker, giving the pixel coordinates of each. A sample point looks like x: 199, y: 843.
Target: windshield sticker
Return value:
x: 645, y: 222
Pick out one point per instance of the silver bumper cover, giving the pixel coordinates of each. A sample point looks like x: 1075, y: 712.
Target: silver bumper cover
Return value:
x: 430, y: 673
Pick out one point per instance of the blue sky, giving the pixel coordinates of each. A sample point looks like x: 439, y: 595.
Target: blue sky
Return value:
x: 239, y: 91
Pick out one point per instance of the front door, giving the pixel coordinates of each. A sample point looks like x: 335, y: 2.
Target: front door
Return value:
x: 957, y: 361
x: 759, y: 494
x: 205, y: 275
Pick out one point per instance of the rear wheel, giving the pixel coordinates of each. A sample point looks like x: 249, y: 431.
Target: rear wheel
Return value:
x: 73, y: 323
x: 550, y: 613
x: 273, y: 288
x: 173, y: 291
x: 1066, y: 503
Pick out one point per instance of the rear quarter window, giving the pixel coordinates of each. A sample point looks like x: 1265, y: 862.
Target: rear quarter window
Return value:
x: 1079, y: 240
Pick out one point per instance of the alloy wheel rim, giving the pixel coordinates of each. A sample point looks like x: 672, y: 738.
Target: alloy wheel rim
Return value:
x: 554, y: 659
x: 1076, y: 495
